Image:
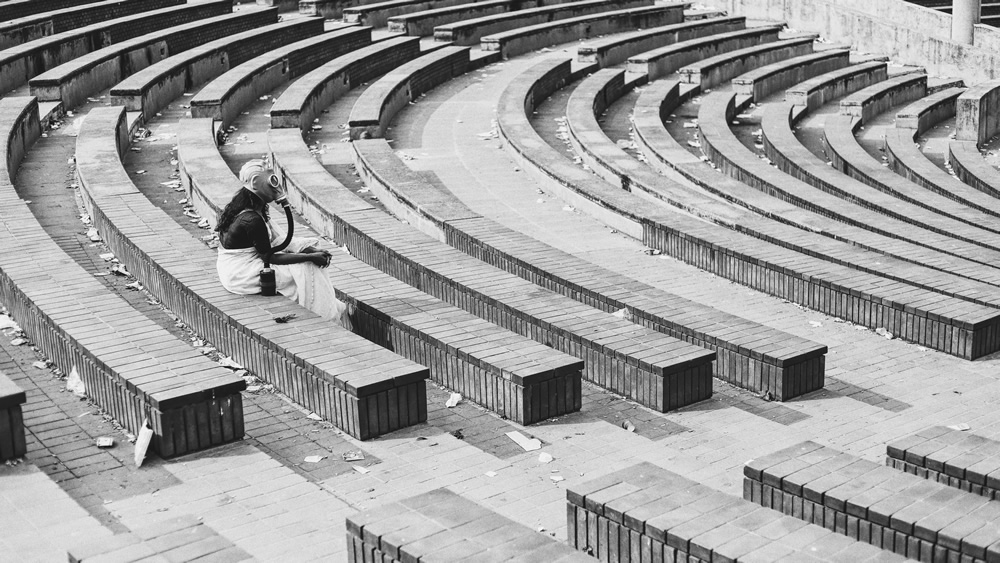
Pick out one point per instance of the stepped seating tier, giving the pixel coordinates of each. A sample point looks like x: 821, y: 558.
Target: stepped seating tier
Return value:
x: 613, y: 51
x: 364, y: 390
x: 72, y: 81
x: 759, y: 263
x: 378, y: 14
x: 378, y: 105
x: 761, y: 82
x: 306, y: 97
x: 666, y: 60
x: 17, y: 9
x: 976, y: 115
x: 950, y: 457
x: 12, y: 440
x: 130, y: 366
x: 423, y: 23
x: 645, y: 513
x: 906, y: 203
x: 470, y: 31
x: 863, y: 500
x: 223, y: 98
x: 439, y: 526
x: 749, y: 355
x: 722, y: 67
x: 856, y: 246
x: 970, y: 167
x: 928, y: 111
x: 817, y: 91
x: 906, y: 159
x: 529, y: 38
x: 152, y: 88
x: 879, y: 97
x: 23, y: 62
x: 17, y: 29
x: 328, y: 9
x: 518, y: 378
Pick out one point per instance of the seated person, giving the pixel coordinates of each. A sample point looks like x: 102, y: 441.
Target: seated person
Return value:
x: 246, y: 238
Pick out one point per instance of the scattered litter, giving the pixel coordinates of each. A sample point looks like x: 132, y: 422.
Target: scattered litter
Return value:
x: 227, y: 362
x: 694, y: 144
x: 120, y: 270
x: 105, y: 442
x: 361, y: 470
x: 314, y: 458
x: 961, y: 427
x: 815, y: 324
x: 314, y: 416
x: 556, y: 478
x: 491, y: 473
x: 203, y: 224
x: 284, y: 318
x: 134, y: 286
x: 453, y: 400
x: 884, y: 333
x: 93, y: 235
x: 107, y: 256
x: 354, y: 456
x: 545, y: 458
x: 19, y: 341
x: 74, y: 384
x: 142, y: 442
x: 569, y: 208
x: 627, y: 425
x: 528, y: 444
x: 41, y: 365
x: 140, y: 171
x: 458, y: 434
x: 621, y: 314
x: 767, y: 396
x: 7, y: 322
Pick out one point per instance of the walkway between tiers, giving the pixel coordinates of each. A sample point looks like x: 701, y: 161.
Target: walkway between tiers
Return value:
x: 450, y: 131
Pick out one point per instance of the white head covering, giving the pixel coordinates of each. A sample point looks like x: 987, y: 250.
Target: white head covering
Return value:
x: 249, y: 170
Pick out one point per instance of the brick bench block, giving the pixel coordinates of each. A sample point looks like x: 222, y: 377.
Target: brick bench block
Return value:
x: 951, y: 457
x: 863, y: 500
x: 12, y: 442
x: 645, y: 514
x: 440, y: 526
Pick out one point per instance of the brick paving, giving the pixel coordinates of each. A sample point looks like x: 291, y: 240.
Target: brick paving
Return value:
x: 265, y: 499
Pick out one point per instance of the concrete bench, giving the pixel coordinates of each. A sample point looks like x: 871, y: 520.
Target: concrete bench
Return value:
x: 184, y: 538
x: 152, y: 88
x: 470, y: 31
x: 645, y: 513
x: 328, y: 9
x: 378, y: 14
x: 423, y: 23
x: 977, y: 117
x: 439, y: 526
x: 722, y: 67
x: 64, y: 16
x: 951, y: 457
x: 855, y: 212
x: 73, y: 81
x: 306, y: 97
x: 529, y: 38
x: 875, y: 504
x: 816, y: 92
x: 17, y: 9
x: 970, y: 166
x: 879, y: 97
x: 764, y: 263
x: 749, y: 355
x: 363, y: 389
x: 224, y: 97
x: 23, y: 62
x: 928, y: 111
x: 515, y: 377
x: 378, y: 105
x: 130, y: 366
x: 612, y: 51
x: 662, y: 61
x: 763, y: 81
x: 12, y: 442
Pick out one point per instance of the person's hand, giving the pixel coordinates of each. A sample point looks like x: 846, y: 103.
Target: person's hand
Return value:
x: 321, y: 259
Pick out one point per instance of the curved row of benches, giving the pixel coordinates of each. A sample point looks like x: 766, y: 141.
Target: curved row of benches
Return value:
x: 130, y: 366
x: 515, y: 377
x: 761, y: 263
x: 362, y: 388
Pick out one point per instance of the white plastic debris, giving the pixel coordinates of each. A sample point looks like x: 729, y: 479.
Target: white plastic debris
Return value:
x: 884, y: 333
x: 491, y: 473
x: 528, y: 444
x: 556, y: 478
x: 815, y: 324
x: 453, y: 400
x: 227, y: 362
x: 961, y: 427
x: 74, y: 384
x: 360, y: 469
x: 142, y: 442
x: 7, y: 322
x: 314, y: 416
x: 93, y: 235
x: 545, y: 458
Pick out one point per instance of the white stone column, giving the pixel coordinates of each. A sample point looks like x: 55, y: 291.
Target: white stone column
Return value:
x: 964, y: 14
